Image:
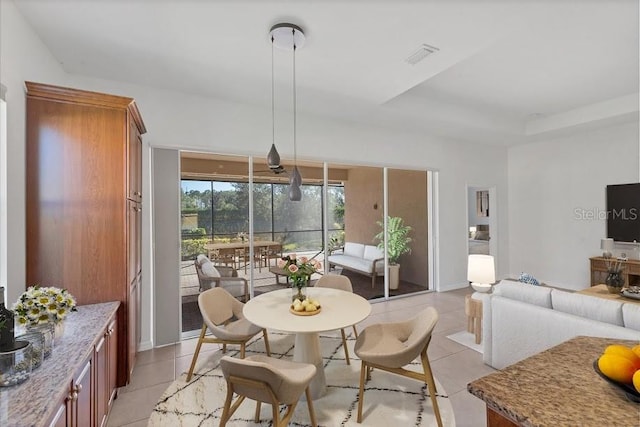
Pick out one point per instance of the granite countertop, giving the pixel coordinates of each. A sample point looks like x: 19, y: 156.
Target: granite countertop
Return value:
x: 35, y: 400
x: 558, y: 387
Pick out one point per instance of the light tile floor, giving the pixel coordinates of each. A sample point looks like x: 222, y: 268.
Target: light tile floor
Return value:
x: 453, y: 364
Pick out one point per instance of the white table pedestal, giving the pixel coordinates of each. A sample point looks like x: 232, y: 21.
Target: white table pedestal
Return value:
x: 307, y: 350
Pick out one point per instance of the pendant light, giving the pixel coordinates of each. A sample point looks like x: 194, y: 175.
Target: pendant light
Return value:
x: 287, y: 36
x: 273, y: 158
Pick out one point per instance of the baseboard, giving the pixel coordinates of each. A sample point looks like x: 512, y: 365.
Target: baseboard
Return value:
x: 145, y: 345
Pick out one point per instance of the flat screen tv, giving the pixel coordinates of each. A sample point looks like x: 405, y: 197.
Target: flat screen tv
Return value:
x: 623, y: 212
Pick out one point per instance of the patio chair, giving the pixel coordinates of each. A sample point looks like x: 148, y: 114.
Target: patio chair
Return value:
x: 210, y: 276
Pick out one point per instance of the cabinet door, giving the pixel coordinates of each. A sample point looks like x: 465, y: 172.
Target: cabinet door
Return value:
x: 133, y: 324
x: 60, y: 417
x: 82, y: 397
x: 135, y: 162
x: 112, y: 362
x: 101, y: 374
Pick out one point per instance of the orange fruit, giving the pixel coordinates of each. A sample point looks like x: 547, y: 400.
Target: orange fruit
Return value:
x: 617, y: 368
x: 624, y: 351
x: 636, y: 381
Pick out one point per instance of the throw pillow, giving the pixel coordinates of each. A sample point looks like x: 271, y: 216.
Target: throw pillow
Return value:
x: 200, y: 259
x: 527, y: 278
x: 209, y: 270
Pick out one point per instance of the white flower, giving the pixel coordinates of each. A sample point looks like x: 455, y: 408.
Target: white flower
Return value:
x: 43, y: 305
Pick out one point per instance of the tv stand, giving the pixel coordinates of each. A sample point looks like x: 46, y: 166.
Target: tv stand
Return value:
x: 630, y: 271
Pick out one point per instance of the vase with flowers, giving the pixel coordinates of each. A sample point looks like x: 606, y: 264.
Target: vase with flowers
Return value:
x: 615, y: 279
x: 299, y: 271
x: 44, y: 305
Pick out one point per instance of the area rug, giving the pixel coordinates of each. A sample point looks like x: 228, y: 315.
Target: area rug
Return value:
x: 467, y: 339
x: 390, y: 400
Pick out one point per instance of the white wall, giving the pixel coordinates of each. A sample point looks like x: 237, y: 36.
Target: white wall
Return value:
x: 550, y: 183
x: 23, y: 57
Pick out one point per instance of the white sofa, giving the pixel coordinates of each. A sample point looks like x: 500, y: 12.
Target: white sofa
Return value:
x: 361, y: 258
x: 520, y: 320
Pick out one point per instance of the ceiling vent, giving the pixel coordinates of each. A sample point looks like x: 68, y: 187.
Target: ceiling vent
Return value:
x: 422, y: 52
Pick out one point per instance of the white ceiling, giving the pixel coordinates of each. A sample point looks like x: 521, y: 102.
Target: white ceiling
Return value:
x: 501, y: 64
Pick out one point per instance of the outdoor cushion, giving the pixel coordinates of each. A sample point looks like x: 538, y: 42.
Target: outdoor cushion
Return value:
x: 372, y: 252
x: 209, y: 270
x: 353, y: 249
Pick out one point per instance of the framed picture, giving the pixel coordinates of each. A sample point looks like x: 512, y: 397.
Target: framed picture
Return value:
x: 482, y: 203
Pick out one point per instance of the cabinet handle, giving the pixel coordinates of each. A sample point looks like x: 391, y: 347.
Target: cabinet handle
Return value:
x: 78, y: 388
x: 73, y: 396
x: 137, y: 193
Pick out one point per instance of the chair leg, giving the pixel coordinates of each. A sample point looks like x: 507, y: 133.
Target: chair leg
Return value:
x: 228, y: 409
x: 242, y: 351
x: 373, y: 280
x: 431, y: 384
x: 312, y: 412
x: 224, y: 347
x: 363, y: 368
x: 203, y: 332
x: 266, y: 342
x: 344, y: 344
x: 287, y: 415
x: 355, y: 331
x: 257, y: 414
x: 275, y: 413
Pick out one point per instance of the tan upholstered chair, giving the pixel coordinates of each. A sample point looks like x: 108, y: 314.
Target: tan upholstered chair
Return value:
x: 390, y: 346
x: 269, y: 380
x: 335, y: 281
x: 222, y: 315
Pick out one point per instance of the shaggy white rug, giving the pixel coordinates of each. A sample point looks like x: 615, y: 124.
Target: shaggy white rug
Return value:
x: 390, y: 400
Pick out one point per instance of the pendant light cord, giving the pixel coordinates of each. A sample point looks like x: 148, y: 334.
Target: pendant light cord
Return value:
x: 295, y: 157
x: 273, y: 102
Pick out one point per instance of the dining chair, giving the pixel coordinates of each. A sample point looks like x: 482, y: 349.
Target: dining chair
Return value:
x: 271, y: 253
x: 222, y: 315
x: 390, y: 346
x: 336, y: 281
x: 227, y: 256
x: 269, y: 380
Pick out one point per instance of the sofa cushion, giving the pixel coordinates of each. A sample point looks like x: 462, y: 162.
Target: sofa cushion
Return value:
x: 353, y: 249
x: 536, y: 295
x: 209, y: 270
x: 371, y: 252
x: 358, y: 264
x: 631, y: 316
x: 587, y: 306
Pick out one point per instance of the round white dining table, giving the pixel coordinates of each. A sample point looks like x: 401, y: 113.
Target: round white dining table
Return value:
x: 339, y: 309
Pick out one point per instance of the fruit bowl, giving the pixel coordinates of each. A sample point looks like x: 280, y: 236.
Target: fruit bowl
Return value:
x: 628, y: 389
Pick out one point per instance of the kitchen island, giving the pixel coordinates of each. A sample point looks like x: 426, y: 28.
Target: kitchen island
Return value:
x: 557, y: 387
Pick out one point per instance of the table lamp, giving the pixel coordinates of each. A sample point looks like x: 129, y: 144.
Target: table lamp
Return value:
x: 481, y: 272
x: 607, y: 246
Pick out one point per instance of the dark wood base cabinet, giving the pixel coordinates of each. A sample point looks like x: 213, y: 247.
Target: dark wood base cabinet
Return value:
x: 92, y: 391
x: 84, y: 202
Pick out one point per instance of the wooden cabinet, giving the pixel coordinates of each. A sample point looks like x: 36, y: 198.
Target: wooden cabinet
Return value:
x: 89, y: 397
x: 83, y: 167
x: 630, y: 270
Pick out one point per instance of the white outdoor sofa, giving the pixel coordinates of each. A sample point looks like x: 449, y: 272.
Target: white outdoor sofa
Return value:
x: 361, y: 258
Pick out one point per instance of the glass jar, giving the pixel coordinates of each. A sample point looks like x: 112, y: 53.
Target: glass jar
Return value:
x: 46, y: 329
x: 15, y: 365
x: 614, y: 282
x: 37, y: 347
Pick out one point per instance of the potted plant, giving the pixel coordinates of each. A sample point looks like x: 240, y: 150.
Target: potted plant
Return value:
x: 397, y: 245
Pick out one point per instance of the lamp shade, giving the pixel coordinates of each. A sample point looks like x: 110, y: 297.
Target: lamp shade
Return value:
x: 606, y: 244
x: 481, y: 269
